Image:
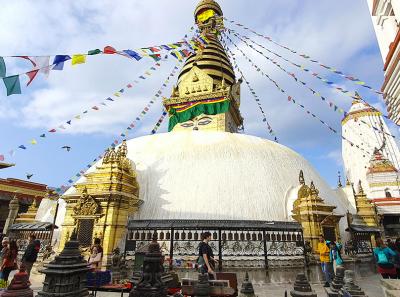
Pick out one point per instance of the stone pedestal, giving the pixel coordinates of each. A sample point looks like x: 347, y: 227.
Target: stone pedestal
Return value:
x: 151, y: 283
x: 302, y: 287
x: 12, y: 214
x: 247, y: 289
x: 66, y: 274
x: 350, y: 289
x: 202, y: 288
x: 337, y: 283
x: 391, y: 287
x: 19, y: 286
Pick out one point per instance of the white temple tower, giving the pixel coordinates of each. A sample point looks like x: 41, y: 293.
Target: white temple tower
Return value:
x: 366, y: 129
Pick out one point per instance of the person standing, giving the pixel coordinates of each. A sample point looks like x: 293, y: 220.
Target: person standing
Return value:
x: 9, y: 262
x: 383, y: 257
x: 324, y: 257
x: 31, y: 253
x: 206, y: 256
x: 335, y: 255
x: 4, y: 247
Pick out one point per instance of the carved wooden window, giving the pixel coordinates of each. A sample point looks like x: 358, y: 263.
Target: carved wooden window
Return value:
x: 85, y: 231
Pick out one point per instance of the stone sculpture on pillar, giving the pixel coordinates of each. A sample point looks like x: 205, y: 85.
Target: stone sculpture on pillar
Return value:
x: 66, y: 274
x: 151, y: 284
x: 19, y: 286
x: 337, y: 283
x: 350, y: 289
x: 12, y: 214
x: 302, y: 287
x: 247, y: 289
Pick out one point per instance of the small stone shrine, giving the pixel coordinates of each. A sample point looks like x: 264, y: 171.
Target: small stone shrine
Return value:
x: 19, y: 286
x: 247, y: 289
x: 302, y: 287
x: 66, y: 274
x: 350, y: 289
x: 118, y: 266
x: 337, y: 283
x: 151, y: 283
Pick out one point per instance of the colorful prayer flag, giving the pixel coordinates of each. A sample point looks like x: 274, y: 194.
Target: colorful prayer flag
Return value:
x: 33, y: 141
x: 78, y: 59
x: 94, y: 52
x: 2, y: 67
x: 156, y: 57
x: 1, y: 157
x: 59, y: 61
x: 22, y: 147
x: 31, y: 75
x: 12, y: 84
x: 109, y: 50
x: 133, y: 54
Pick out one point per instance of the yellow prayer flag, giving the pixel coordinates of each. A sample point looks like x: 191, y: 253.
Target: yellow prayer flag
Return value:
x: 33, y: 141
x: 78, y: 117
x: 78, y: 59
x: 117, y: 94
x: 204, y: 16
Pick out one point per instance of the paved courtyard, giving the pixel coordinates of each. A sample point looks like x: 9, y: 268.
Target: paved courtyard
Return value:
x: 275, y: 282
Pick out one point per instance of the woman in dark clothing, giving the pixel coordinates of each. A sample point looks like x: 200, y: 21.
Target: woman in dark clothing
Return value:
x: 9, y: 260
x: 206, y: 256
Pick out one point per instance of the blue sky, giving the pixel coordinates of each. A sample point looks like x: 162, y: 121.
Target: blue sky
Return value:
x: 338, y: 33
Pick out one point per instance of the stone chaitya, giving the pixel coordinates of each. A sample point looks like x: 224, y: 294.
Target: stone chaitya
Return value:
x: 302, y: 287
x: 350, y: 289
x: 151, y: 283
x: 19, y: 286
x: 65, y: 276
x: 337, y: 283
x: 247, y: 289
x: 102, y: 203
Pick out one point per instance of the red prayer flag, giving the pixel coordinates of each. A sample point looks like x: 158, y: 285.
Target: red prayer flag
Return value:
x: 109, y: 50
x: 27, y: 58
x: 52, y: 130
x: 1, y: 157
x: 95, y: 108
x: 154, y: 49
x: 31, y: 74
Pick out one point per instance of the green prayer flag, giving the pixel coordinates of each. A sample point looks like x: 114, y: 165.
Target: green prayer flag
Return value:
x: 2, y: 67
x: 12, y: 84
x: 94, y: 52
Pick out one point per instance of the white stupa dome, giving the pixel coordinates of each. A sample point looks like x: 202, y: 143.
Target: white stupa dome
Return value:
x: 218, y: 176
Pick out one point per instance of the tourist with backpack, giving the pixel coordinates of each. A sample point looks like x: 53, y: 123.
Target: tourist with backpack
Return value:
x: 335, y: 255
x: 383, y: 257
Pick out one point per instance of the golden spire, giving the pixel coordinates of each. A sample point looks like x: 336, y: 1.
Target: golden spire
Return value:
x: 314, y: 190
x: 360, y: 188
x: 301, y: 178
x: 122, y: 150
x: 339, y: 181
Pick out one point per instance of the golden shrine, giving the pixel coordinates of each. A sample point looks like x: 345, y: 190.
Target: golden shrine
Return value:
x: 366, y: 210
x: 103, y: 202
x: 315, y: 216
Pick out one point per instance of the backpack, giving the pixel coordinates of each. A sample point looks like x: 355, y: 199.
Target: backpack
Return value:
x: 382, y: 258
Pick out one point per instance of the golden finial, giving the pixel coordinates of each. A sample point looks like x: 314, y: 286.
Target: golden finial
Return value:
x: 360, y: 188
x: 122, y: 150
x: 106, y: 156
x: 313, y: 189
x: 347, y: 181
x: 301, y: 178
x: 112, y: 155
x: 339, y: 180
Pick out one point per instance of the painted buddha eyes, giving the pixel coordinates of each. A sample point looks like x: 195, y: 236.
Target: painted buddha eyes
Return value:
x: 203, y: 121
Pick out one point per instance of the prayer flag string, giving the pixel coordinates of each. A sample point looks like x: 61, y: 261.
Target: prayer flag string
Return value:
x: 159, y: 122
x: 333, y: 106
x: 307, y: 57
x: 254, y: 94
x: 41, y: 64
x: 290, y: 98
x: 123, y: 135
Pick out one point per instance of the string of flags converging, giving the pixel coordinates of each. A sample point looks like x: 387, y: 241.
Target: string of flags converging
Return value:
x: 41, y: 64
x: 307, y: 57
x: 329, y: 103
x: 124, y: 134
x: 291, y: 98
x: 254, y: 94
x: 159, y: 122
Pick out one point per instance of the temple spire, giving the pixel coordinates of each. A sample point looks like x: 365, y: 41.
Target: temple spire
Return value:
x: 301, y: 178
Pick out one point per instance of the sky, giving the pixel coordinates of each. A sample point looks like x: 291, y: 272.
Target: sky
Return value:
x: 338, y: 33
